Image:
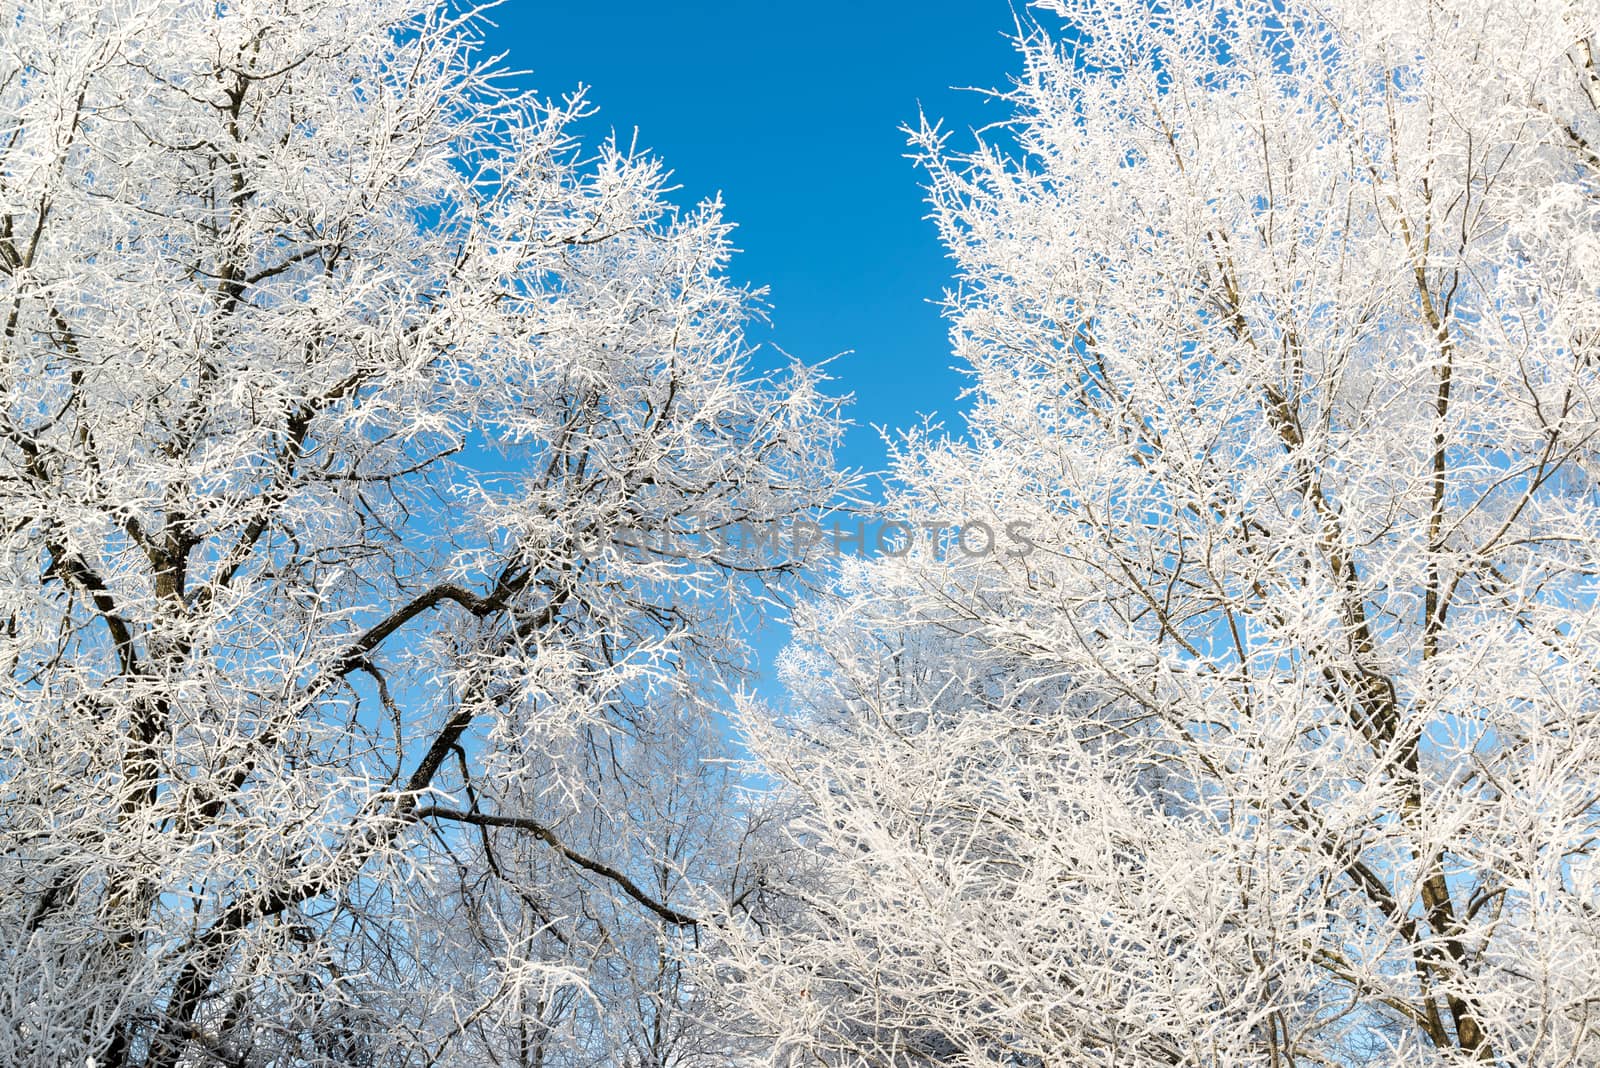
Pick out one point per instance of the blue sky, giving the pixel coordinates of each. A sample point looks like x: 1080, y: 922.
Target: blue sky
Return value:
x: 793, y: 113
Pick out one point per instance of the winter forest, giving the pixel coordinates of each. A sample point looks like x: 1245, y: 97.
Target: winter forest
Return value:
x: 392, y: 497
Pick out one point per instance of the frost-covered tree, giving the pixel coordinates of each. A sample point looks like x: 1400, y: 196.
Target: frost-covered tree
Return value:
x: 1282, y: 745
x: 339, y: 724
